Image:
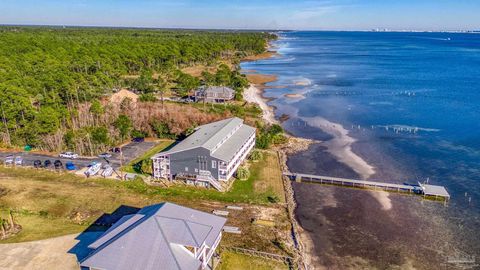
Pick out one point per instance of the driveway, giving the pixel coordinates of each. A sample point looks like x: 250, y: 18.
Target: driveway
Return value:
x: 55, y: 253
x: 131, y: 151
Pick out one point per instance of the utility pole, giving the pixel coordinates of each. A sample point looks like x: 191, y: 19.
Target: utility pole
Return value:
x: 121, y: 164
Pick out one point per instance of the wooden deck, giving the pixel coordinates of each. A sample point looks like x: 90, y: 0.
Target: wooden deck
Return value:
x: 420, y: 189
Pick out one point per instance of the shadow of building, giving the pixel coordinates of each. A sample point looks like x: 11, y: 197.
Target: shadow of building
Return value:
x: 94, y: 231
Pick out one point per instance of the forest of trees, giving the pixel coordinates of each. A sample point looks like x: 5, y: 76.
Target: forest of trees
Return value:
x: 53, y: 81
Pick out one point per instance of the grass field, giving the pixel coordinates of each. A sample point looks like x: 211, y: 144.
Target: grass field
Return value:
x: 48, y: 204
x: 269, y: 176
x: 263, y: 186
x: 237, y: 261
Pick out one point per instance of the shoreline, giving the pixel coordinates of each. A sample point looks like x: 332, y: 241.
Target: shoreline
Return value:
x: 303, y: 243
x: 253, y: 94
x: 340, y: 146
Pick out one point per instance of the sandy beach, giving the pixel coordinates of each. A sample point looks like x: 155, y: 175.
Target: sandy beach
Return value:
x: 253, y: 95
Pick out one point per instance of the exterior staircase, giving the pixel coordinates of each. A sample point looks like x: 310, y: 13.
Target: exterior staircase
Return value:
x: 207, y: 176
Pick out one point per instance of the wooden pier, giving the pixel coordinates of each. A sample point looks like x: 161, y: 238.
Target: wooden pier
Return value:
x: 438, y: 192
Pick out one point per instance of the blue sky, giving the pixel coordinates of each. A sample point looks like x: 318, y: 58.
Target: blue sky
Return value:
x: 246, y: 14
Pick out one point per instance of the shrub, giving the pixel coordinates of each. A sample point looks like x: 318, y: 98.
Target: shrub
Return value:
x: 279, y: 139
x: 138, y: 134
x: 100, y: 135
x: 162, y: 130
x: 263, y: 141
x: 270, y: 135
x: 150, y: 97
x: 256, y: 155
x: 147, y: 166
x: 243, y: 173
x: 124, y: 125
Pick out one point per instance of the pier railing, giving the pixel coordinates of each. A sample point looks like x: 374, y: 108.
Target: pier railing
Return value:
x: 420, y: 189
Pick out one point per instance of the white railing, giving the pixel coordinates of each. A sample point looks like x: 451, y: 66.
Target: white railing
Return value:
x: 207, y: 176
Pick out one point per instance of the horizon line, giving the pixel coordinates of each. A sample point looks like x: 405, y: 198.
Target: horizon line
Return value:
x: 377, y: 29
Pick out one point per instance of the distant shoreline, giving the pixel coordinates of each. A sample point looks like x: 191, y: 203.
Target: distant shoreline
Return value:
x: 380, y: 30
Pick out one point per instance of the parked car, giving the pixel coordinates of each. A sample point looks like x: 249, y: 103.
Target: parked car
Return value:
x: 70, y: 166
x: 9, y: 160
x: 47, y: 163
x: 93, y: 163
x: 70, y: 155
x: 116, y: 150
x: 58, y: 164
x: 18, y: 160
x: 138, y: 140
x: 105, y: 155
x: 37, y: 163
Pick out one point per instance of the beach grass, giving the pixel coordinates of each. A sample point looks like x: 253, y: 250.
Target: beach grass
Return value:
x: 236, y: 261
x: 270, y: 176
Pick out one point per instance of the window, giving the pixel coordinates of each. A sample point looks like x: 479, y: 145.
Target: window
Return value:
x: 196, y: 170
x: 186, y: 169
x: 214, y: 164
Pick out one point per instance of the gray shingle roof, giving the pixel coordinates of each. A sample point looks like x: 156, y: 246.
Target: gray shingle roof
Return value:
x: 153, y: 239
x: 210, y: 135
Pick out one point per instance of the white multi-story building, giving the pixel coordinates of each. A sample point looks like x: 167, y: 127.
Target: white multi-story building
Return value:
x: 210, y: 155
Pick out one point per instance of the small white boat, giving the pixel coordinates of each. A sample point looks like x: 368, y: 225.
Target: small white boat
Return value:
x: 94, y: 169
x: 107, y: 171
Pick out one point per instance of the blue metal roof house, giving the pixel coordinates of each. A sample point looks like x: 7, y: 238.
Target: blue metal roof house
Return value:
x: 209, y: 156
x: 162, y: 236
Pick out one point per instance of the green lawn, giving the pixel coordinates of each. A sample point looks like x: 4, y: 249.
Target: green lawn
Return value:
x: 237, y: 261
x: 39, y: 227
x: 263, y: 186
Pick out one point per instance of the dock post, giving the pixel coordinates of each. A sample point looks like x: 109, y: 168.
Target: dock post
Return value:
x: 298, y: 178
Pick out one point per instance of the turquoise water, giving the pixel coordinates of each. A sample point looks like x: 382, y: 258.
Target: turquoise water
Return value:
x: 411, y: 100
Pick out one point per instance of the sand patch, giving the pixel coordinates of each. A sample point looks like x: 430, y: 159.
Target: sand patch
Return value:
x: 261, y: 78
x: 383, y: 198
x: 303, y: 82
x: 295, y: 96
x: 44, y: 254
x: 265, y: 55
x: 341, y: 145
x: 254, y: 95
x: 123, y: 94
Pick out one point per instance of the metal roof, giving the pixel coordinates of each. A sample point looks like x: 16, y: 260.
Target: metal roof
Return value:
x: 433, y: 190
x: 236, y: 141
x: 154, y: 238
x: 217, y: 89
x: 210, y: 135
